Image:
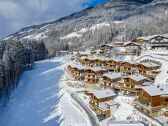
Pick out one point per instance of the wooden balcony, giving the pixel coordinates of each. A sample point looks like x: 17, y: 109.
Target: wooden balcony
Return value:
x: 152, y: 76
x: 112, y: 68
x: 127, y: 71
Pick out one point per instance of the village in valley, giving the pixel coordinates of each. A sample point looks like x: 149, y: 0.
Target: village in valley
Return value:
x: 121, y: 83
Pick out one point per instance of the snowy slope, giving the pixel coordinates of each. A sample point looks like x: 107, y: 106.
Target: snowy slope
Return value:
x: 79, y: 33
x: 38, y: 99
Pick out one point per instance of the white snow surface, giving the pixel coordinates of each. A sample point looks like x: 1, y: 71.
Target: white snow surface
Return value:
x: 36, y: 36
x: 41, y: 99
x: 78, y: 34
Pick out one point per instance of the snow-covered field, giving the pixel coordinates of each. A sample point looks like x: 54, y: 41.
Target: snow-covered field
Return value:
x: 41, y: 99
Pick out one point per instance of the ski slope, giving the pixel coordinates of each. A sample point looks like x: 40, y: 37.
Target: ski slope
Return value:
x: 39, y: 99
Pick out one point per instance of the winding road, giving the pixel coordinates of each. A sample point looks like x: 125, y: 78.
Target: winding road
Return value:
x: 92, y: 118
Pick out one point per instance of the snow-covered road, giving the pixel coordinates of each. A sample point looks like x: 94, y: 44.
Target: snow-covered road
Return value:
x: 37, y: 100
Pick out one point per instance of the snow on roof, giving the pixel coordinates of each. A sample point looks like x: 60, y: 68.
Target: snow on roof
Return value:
x: 83, y: 57
x: 136, y: 77
x: 78, y: 66
x: 105, y: 105
x: 125, y: 123
x: 112, y: 75
x: 104, y: 59
x: 136, y: 44
x: 118, y: 42
x: 121, y: 81
x: 130, y: 62
x: 152, y: 36
x: 96, y: 69
x: 149, y: 64
x: 156, y: 90
x: 111, y: 103
x: 102, y: 93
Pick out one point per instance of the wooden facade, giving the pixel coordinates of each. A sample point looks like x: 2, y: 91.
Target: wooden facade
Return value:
x: 150, y: 99
x: 140, y: 41
x: 131, y: 82
x: 133, y: 48
x: 159, y: 42
x: 92, y: 75
x: 128, y: 68
x: 148, y: 69
x: 76, y: 72
x: 109, y: 80
x: 101, y: 101
x: 113, y: 66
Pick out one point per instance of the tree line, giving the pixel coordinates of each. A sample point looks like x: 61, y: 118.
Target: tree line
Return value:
x: 16, y: 57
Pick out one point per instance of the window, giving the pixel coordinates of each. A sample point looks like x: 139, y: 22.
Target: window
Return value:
x: 142, y: 93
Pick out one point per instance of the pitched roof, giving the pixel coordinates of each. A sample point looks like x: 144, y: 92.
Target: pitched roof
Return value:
x: 149, y: 64
x: 102, y: 93
x: 112, y: 75
x: 156, y: 90
x: 136, y: 77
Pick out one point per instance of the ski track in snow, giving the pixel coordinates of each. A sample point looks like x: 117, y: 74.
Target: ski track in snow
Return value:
x: 36, y: 102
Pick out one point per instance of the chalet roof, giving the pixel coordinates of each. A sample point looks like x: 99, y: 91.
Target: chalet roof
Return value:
x: 110, y: 45
x: 156, y: 90
x: 79, y: 67
x: 118, y: 42
x: 121, y: 81
x: 105, y: 105
x: 153, y: 36
x: 130, y: 62
x: 125, y: 123
x: 104, y: 59
x: 136, y: 77
x: 149, y: 64
x: 83, y: 57
x: 112, y: 75
x: 116, y: 60
x: 131, y: 43
x: 96, y: 69
x: 102, y: 93
x: 111, y: 103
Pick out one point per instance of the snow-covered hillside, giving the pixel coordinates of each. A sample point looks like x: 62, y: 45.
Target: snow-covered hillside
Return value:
x: 41, y: 100
x: 79, y: 33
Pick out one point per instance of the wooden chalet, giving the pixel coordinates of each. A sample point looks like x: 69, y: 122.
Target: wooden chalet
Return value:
x: 108, y: 80
x: 148, y: 69
x: 152, y: 99
x: 81, y: 54
x: 77, y: 71
x: 159, y: 42
x: 131, y: 82
x: 140, y: 41
x: 101, y: 101
x: 113, y: 65
x: 106, y: 47
x: 118, y: 44
x: 133, y: 48
x: 128, y: 68
x: 87, y: 61
x: 93, y: 74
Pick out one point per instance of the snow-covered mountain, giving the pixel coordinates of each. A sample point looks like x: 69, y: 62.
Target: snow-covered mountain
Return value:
x: 115, y: 20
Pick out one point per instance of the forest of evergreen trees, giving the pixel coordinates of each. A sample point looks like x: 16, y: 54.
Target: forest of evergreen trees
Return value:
x: 16, y: 57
